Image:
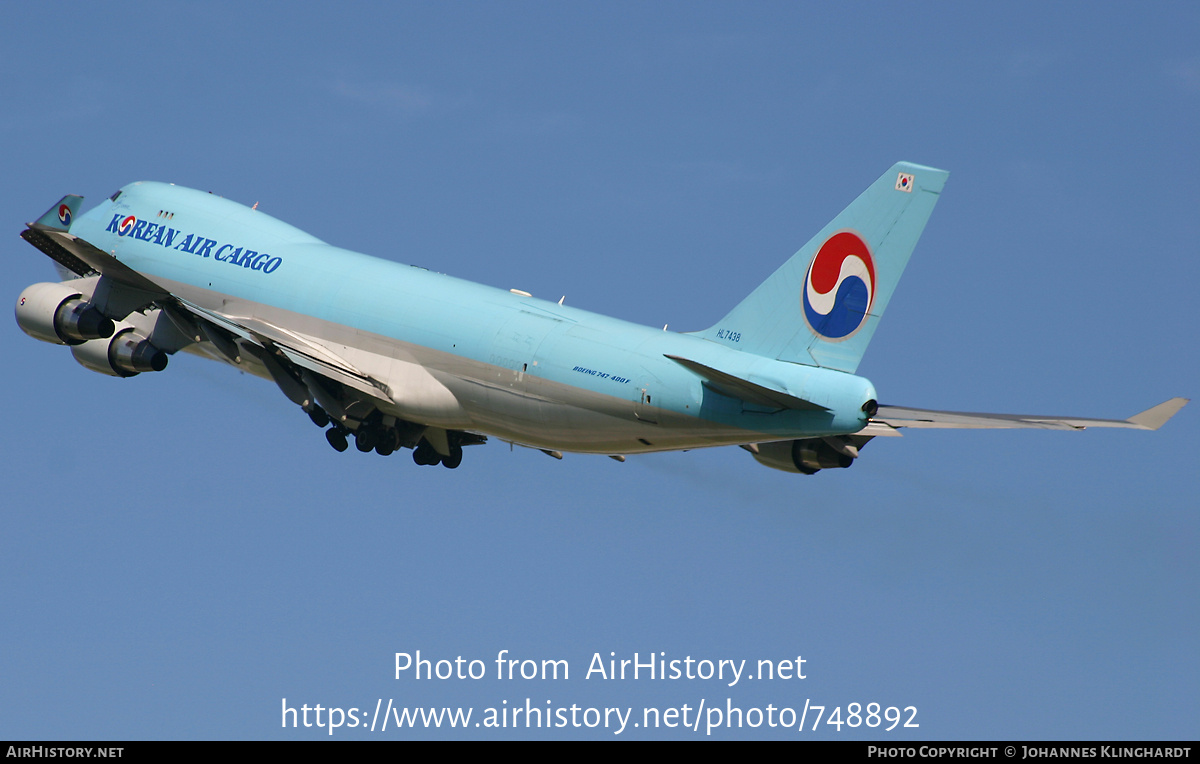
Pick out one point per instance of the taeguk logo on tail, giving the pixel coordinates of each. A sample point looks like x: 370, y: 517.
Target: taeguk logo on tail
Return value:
x: 839, y: 287
x: 64, y: 215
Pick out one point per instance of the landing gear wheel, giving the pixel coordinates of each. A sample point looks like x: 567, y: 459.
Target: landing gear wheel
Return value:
x: 425, y: 455
x: 318, y: 416
x: 389, y: 442
x: 365, y: 439
x: 454, y: 459
x: 337, y: 439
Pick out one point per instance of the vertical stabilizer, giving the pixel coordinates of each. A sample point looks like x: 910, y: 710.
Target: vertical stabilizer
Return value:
x: 822, y: 306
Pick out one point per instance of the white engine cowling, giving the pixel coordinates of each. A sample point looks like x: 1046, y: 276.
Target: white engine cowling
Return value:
x: 125, y: 355
x: 805, y: 456
x: 58, y: 314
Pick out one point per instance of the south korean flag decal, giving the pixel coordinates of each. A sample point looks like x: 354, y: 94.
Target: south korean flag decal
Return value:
x: 904, y: 183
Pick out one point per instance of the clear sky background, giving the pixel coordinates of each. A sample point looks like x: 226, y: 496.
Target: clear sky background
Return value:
x: 181, y: 551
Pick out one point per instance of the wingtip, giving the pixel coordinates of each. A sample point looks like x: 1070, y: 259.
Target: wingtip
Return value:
x: 1156, y: 416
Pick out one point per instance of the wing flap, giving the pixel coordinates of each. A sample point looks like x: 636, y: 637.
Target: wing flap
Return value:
x: 877, y: 429
x: 86, y: 259
x: 57, y: 252
x: 347, y: 375
x: 298, y: 349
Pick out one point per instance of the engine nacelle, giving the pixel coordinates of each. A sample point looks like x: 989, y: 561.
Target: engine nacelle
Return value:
x: 58, y: 314
x: 805, y: 456
x: 125, y: 355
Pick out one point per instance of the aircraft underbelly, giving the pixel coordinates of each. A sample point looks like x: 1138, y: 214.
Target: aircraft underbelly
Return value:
x: 510, y: 401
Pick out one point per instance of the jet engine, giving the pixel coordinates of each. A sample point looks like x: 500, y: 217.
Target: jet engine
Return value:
x: 58, y: 314
x: 805, y: 456
x: 125, y: 355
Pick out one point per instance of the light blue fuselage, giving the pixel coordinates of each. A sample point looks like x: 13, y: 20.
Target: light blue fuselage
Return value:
x: 460, y: 355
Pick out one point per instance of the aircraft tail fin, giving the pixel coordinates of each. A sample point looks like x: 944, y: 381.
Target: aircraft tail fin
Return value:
x: 822, y: 306
x: 59, y: 217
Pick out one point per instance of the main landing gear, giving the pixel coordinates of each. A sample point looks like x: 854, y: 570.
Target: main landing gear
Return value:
x: 337, y: 438
x: 427, y: 456
x: 386, y: 439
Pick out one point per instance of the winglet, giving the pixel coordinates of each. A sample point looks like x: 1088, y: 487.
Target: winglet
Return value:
x: 1155, y: 417
x: 59, y: 217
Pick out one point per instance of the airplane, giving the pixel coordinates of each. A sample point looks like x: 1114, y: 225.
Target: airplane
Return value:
x: 398, y: 357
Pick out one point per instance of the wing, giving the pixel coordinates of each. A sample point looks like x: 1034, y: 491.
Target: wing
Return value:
x: 304, y: 352
x: 895, y: 417
x: 123, y: 290
x: 311, y: 373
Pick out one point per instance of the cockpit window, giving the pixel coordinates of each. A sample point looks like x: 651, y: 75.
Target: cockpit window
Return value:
x: 113, y: 198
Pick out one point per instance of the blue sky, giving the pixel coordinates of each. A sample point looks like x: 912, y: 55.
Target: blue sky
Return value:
x: 180, y: 552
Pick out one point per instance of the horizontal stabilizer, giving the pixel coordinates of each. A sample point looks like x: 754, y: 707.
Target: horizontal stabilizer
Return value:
x: 744, y: 389
x: 897, y: 416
